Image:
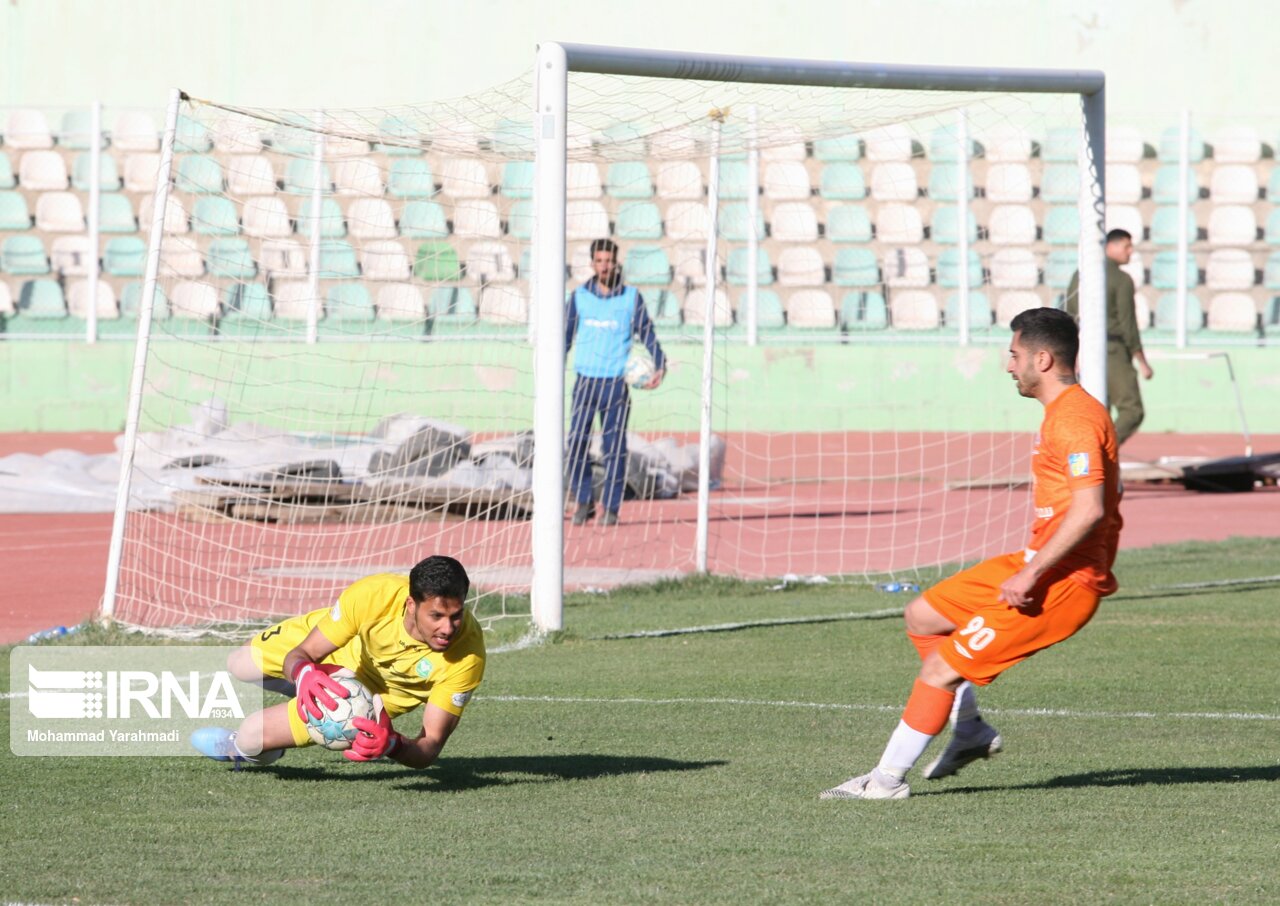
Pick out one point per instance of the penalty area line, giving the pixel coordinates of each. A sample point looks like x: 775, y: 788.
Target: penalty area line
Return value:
x: 748, y: 624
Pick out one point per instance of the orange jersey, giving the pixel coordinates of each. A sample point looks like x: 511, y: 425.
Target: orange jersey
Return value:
x: 1076, y: 448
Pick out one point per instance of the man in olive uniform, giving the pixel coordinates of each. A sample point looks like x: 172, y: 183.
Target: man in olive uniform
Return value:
x: 1124, y: 343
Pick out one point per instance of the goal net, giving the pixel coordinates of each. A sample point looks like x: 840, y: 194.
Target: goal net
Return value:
x: 338, y: 376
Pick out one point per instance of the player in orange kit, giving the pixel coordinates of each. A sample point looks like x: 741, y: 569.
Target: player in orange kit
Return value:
x: 972, y: 627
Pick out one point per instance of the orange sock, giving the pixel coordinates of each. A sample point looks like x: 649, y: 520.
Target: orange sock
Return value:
x: 925, y: 643
x: 928, y: 709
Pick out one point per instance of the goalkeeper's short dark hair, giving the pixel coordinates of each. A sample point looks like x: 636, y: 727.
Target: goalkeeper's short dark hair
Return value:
x: 1051, y: 329
x: 1117, y: 234
x: 439, y: 577
x: 604, y: 245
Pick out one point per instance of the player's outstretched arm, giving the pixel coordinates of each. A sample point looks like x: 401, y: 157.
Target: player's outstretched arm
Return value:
x: 1086, y: 511
x: 437, y: 725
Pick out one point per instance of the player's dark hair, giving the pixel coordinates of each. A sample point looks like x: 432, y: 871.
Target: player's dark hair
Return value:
x: 439, y: 577
x: 1051, y: 329
x: 1117, y: 234
x: 604, y: 245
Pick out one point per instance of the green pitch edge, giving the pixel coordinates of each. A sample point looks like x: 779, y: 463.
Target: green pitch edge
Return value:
x: 69, y: 386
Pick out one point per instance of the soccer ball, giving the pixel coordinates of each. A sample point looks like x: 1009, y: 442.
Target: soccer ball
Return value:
x: 334, y: 730
x: 639, y: 368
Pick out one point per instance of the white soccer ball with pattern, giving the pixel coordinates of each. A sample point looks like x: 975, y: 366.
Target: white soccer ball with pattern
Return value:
x: 335, y: 730
x: 639, y: 368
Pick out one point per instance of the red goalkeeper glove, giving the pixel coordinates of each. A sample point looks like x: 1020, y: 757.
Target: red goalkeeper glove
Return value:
x: 375, y: 739
x: 316, y: 690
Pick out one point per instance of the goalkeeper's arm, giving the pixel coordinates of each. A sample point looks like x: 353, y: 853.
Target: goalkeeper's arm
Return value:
x: 437, y: 725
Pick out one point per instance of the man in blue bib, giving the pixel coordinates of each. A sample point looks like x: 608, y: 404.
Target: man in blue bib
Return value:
x: 605, y: 315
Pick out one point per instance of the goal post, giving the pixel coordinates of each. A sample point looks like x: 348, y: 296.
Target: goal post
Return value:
x: 554, y: 63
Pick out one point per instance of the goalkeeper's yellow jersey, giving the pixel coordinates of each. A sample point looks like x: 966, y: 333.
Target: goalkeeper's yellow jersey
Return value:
x: 367, y: 625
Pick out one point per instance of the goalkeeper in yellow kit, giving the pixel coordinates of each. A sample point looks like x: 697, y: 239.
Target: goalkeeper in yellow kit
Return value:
x: 407, y: 638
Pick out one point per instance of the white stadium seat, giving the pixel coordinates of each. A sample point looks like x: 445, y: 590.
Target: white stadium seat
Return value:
x: 782, y: 142
x: 294, y: 300
x: 265, y: 217
x: 1010, y: 304
x: 695, y: 308
x: 801, y: 266
x: 1008, y: 145
x: 1125, y: 217
x: 358, y: 176
x: 1232, y: 225
x: 686, y: 221
x: 283, y: 258
x: 489, y: 262
x: 176, y: 222
x: 371, y: 218
x: 476, y: 218
x: 401, y: 302
x: 237, y: 136
x: 140, y: 172
x: 180, y: 257
x: 189, y: 299
x: 582, y: 181
x: 889, y: 143
x: 786, y: 180
x: 42, y: 171
x: 1009, y: 184
x: 59, y: 212
x: 914, y: 309
x: 1233, y: 184
x: 679, y: 180
x: 1124, y: 145
x: 586, y: 220
x: 811, y: 308
x: 1124, y: 184
x: 1011, y: 225
x: 105, y: 304
x: 906, y: 268
x: 899, y: 224
x: 1237, y: 145
x: 504, y: 305
x: 135, y: 130
x: 463, y: 177
x: 1014, y: 268
x: 385, y: 259
x: 26, y: 129
x: 69, y: 255
x: 689, y: 264
x: 1232, y: 312
x: 1229, y: 269
x: 250, y: 174
x: 894, y: 181
x: 795, y: 221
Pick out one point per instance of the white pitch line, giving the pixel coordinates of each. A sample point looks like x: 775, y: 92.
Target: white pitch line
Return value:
x: 825, y: 706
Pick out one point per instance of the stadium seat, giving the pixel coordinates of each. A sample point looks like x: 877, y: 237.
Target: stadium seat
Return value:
x: 175, y: 215
x: 462, y: 177
x: 215, y: 215
x: 59, y: 212
x: 889, y: 143
x: 841, y: 148
x: 861, y: 311
x: 1124, y: 184
x: 1011, y: 225
x: 140, y: 172
x: 894, y: 181
x: 399, y: 138
x: 639, y: 220
x: 108, y: 173
x: 1166, y: 314
x: 1062, y: 225
x: 194, y: 300
x: 14, y: 214
x: 1059, y: 267
x: 504, y: 306
x: 199, y: 175
x: 944, y: 184
x: 370, y: 218
x: 236, y: 136
x: 115, y: 214
x: 794, y: 221
x: 1233, y: 225
x: 41, y: 300
x: 283, y: 258
x: 855, y: 267
x: 1124, y: 145
x: 294, y: 300
x: 358, y: 176
x: 945, y: 229
x: 300, y: 178
x: 738, y: 270
x: 135, y: 130
x: 180, y: 257
x: 1234, y: 184
x: 1060, y: 184
x: 695, y: 308
x: 906, y: 268
x: 426, y: 220
x: 125, y: 256
x: 1165, y: 188
x: 1273, y: 186
x: 42, y: 171
x: 348, y: 302
x: 24, y: 256
x: 1014, y: 268
x: 70, y: 255
x: 679, y: 181
x: 949, y: 269
x: 1237, y: 145
x: 944, y: 146
x: 1164, y: 225
x: 842, y: 181
x: 687, y: 221
x: 582, y: 182
x: 647, y: 266
x: 337, y: 260
x: 489, y: 262
x: 1164, y: 271
x: 246, y: 310
x: 191, y: 137
x: 849, y: 223
x: 801, y: 266
x: 27, y: 130
x: 690, y: 268
x: 231, y: 258
x: 1012, y: 303
x: 1229, y: 269
x: 585, y: 220
x: 265, y: 216
x: 1170, y: 148
x: 896, y: 224
x: 520, y: 220
x: 1271, y: 272
x: 6, y: 301
x: 385, y: 259
x: 1008, y: 145
x: 1126, y: 217
x: 517, y: 179
x: 131, y: 301
x: 436, y: 262
x: 981, y: 317
x: 734, y: 184
x: 452, y: 306
x: 1233, y: 313
x: 1272, y: 232
x: 786, y: 180
x: 629, y: 179
x: 476, y: 218
x: 733, y: 222
x: 769, y: 312
x: 104, y: 305
x: 512, y: 136
x: 8, y: 179
x: 1009, y: 184
x: 914, y: 309
x: 1061, y: 145
x: 811, y: 309
x: 250, y: 174
x: 411, y: 178
x: 782, y: 142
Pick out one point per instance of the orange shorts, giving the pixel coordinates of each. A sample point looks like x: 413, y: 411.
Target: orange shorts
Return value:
x: 991, y: 636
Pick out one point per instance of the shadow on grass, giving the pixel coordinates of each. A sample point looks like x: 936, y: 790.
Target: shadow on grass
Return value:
x: 459, y: 774
x: 1129, y: 777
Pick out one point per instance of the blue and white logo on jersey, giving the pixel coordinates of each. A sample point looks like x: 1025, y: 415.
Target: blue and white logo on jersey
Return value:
x: 1078, y: 464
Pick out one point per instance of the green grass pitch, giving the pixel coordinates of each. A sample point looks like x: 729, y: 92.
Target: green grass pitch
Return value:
x: 1141, y: 766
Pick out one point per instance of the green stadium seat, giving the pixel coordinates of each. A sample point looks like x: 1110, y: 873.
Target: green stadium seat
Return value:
x: 215, y: 215
x: 647, y: 265
x: 520, y: 220
x: 1164, y: 270
x: 401, y: 138
x: 300, y: 178
x: 855, y: 267
x: 517, y: 179
x: 337, y: 260
x: 199, y: 175
x: 664, y: 308
x: 231, y: 258
x: 191, y: 137
x: 863, y: 311
x: 131, y: 302
x: 411, y: 178
x: 770, y: 314
x: 1060, y: 184
x: 115, y: 214
x: 247, y: 312
x: 629, y: 179
x: 944, y: 184
x: 1061, y: 145
x: 981, y: 317
x: 14, y: 214
x: 734, y: 182
x: 1062, y: 225
x: 76, y: 130
x: 423, y: 220
x: 1059, y: 267
x: 849, y: 223
x: 1164, y: 225
x: 108, y: 173
x: 24, y: 256
x: 949, y: 269
x: 1271, y: 272
x: 512, y: 136
x: 944, y: 146
x: 733, y: 222
x: 638, y: 220
x: 332, y: 223
x: 1273, y: 186
x: 437, y: 262
x: 842, y: 181
x: 842, y: 148
x: 1165, y: 188
x: 7, y: 179
x: 738, y: 270
x: 1170, y: 146
x: 125, y: 256
x: 452, y: 309
x: 42, y: 300
x: 348, y: 308
x: 945, y: 229
x: 1166, y: 314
